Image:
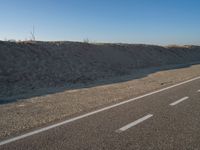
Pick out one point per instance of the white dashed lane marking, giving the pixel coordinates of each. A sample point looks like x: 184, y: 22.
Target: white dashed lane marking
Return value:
x: 179, y: 101
x: 132, y: 124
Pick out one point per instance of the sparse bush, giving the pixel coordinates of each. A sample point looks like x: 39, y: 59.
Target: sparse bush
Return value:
x: 11, y: 40
x: 86, y: 40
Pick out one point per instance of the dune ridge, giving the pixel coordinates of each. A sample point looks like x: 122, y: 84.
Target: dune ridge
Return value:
x: 31, y: 65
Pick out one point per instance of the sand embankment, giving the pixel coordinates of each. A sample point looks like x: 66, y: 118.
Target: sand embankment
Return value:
x: 25, y: 66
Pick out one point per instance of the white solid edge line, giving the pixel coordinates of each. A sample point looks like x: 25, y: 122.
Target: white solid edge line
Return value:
x: 132, y: 124
x: 179, y: 101
x: 90, y: 113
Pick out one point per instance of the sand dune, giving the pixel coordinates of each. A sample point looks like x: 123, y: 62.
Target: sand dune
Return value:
x: 25, y: 66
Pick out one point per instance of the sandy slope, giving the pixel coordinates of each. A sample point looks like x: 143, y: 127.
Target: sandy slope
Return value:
x: 27, y: 66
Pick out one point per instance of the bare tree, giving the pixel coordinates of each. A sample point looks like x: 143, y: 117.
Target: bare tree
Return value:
x: 33, y: 34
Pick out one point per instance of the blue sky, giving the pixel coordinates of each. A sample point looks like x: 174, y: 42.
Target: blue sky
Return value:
x: 131, y: 21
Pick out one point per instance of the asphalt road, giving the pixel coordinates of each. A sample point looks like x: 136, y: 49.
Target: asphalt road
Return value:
x: 165, y: 120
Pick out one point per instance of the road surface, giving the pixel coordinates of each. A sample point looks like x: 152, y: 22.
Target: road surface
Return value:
x: 165, y: 119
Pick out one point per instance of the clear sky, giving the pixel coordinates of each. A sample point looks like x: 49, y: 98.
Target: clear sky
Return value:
x: 131, y: 21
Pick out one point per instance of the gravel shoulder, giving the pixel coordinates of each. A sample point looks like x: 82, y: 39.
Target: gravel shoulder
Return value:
x: 39, y: 111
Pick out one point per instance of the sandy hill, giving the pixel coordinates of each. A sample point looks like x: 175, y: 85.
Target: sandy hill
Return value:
x: 25, y: 66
